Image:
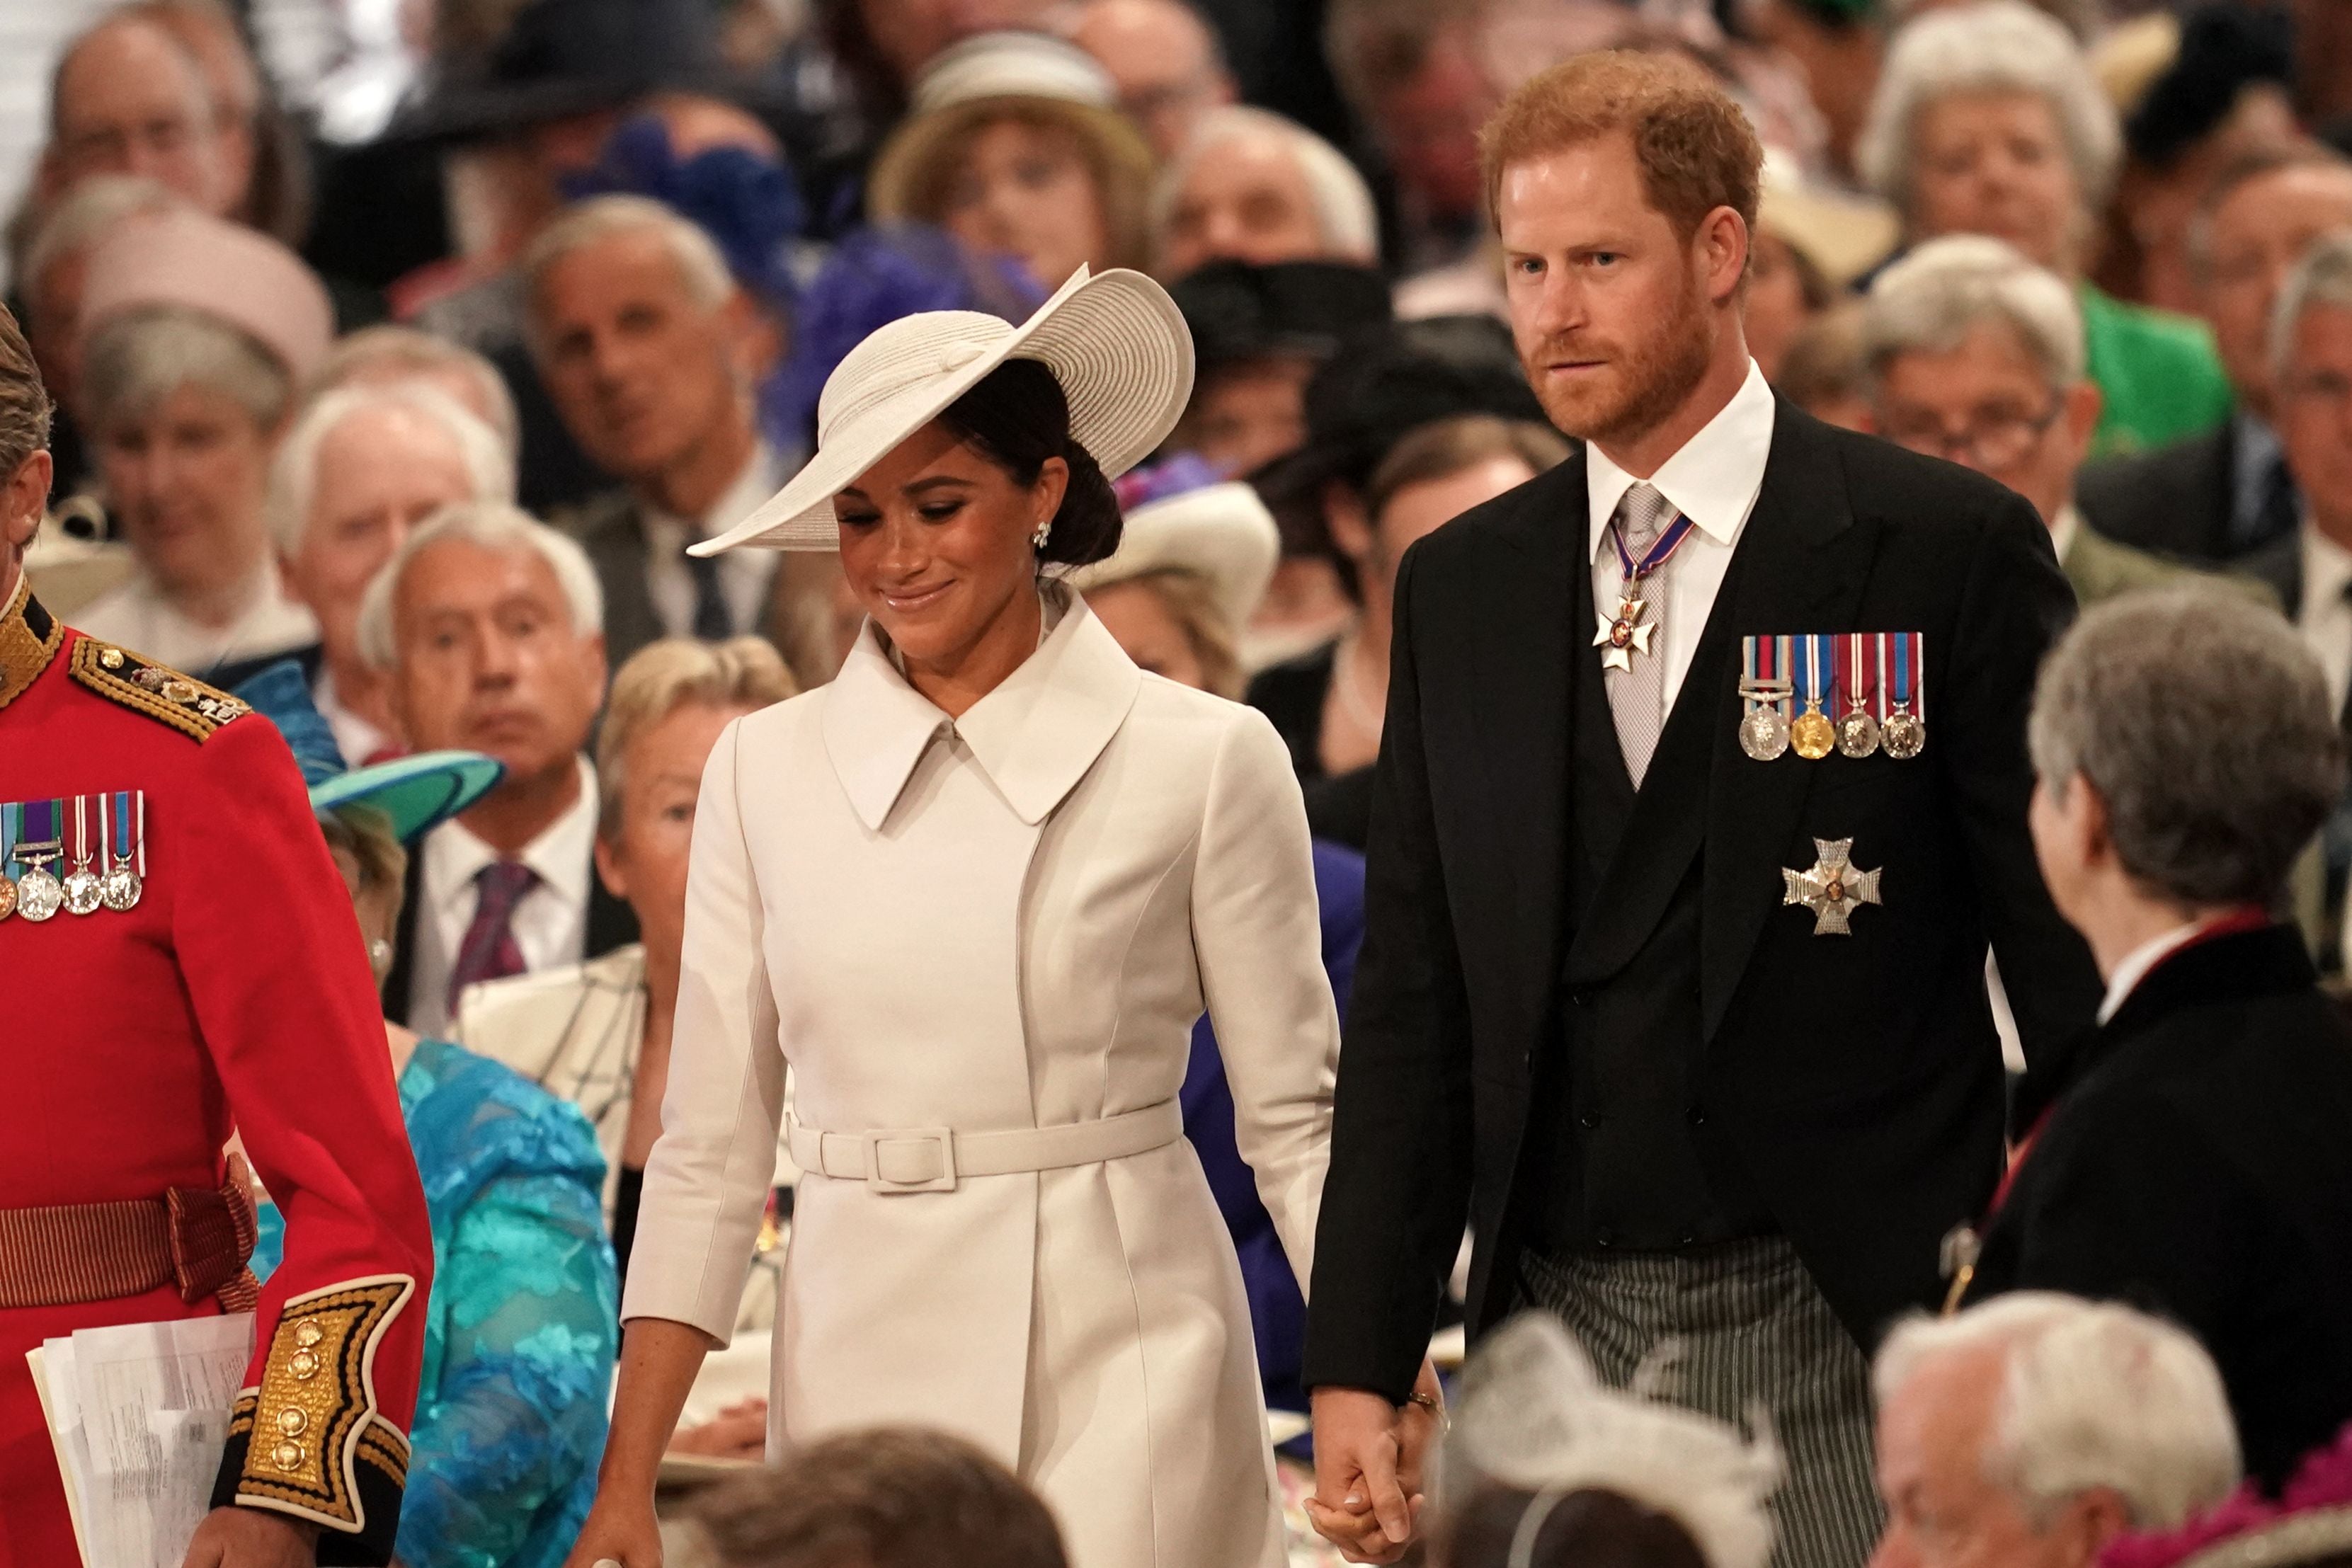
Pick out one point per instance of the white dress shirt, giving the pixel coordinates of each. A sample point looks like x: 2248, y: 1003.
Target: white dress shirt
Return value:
x: 357, y: 737
x: 138, y: 616
x: 1713, y: 480
x: 550, y: 923
x: 744, y: 575
x: 2324, y: 616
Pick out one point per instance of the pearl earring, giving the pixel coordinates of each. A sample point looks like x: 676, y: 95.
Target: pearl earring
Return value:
x: 1044, y: 532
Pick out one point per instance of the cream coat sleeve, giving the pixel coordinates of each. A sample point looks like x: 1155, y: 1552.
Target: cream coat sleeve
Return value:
x: 1258, y: 936
x: 707, y: 1180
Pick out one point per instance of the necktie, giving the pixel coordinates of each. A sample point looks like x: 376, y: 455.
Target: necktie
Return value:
x: 1637, y: 696
x: 490, y: 951
x: 2281, y: 509
x: 712, y: 623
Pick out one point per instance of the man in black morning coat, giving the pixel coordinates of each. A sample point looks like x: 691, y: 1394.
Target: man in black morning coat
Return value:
x: 1595, y: 1018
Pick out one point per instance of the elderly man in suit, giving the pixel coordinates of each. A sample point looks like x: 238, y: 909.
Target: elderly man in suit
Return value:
x: 2228, y: 492
x: 1679, y: 1003
x: 649, y: 351
x: 2195, y: 1154
x: 484, y: 623
x: 1974, y: 353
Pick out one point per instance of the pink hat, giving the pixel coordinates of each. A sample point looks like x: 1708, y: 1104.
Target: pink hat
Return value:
x: 185, y: 257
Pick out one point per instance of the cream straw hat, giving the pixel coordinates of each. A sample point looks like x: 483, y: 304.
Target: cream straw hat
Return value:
x: 1222, y: 534
x: 1115, y: 341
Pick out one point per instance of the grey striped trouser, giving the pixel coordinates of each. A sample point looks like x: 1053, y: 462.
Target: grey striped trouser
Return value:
x: 1752, y: 1329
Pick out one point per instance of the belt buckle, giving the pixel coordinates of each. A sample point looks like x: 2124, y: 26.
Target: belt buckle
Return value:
x: 944, y: 1179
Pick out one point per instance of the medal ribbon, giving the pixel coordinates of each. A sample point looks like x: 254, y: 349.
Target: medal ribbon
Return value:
x: 1817, y: 652
x: 1857, y: 694
x: 129, y: 812
x: 1916, y: 643
x: 81, y: 832
x: 1902, y: 640
x: 1665, y: 545
x: 8, y: 836
x: 43, y: 830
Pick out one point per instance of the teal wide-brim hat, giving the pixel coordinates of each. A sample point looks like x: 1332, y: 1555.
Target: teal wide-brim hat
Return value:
x: 416, y: 793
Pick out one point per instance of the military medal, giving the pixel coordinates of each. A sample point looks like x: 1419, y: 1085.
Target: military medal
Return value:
x: 81, y: 883
x: 1810, y: 734
x: 1905, y: 731
x: 39, y: 841
x: 1764, y: 691
x: 1832, y: 889
x: 1857, y: 731
x: 8, y: 859
x: 124, y: 847
x: 1626, y: 635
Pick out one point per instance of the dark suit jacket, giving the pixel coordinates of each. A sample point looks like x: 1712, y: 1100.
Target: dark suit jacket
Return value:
x: 611, y: 529
x: 611, y: 924
x: 2175, y: 499
x: 1859, y: 1077
x: 2198, y: 1163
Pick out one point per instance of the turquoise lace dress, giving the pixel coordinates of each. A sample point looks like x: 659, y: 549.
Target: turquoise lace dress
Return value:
x: 522, y: 1328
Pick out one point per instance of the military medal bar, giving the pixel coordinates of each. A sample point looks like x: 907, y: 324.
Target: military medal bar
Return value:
x: 100, y: 841
x: 1858, y: 694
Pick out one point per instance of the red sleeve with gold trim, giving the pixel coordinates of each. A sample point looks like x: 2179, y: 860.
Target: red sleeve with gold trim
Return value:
x: 277, y: 974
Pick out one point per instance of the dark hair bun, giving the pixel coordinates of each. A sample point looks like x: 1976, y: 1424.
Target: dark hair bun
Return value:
x: 1088, y: 525
x: 1018, y: 416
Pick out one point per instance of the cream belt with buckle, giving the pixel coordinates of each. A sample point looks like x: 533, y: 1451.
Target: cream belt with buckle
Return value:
x: 933, y: 1159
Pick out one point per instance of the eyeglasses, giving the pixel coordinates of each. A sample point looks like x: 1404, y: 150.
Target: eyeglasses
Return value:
x: 1995, y: 441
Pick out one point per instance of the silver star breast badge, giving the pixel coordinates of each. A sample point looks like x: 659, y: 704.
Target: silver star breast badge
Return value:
x: 1832, y: 890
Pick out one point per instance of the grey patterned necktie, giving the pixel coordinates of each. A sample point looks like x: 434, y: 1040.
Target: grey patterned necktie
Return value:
x: 1637, y: 696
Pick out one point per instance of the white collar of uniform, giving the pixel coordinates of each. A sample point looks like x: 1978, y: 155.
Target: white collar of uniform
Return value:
x: 1034, y: 736
x: 2136, y: 963
x: 559, y: 856
x: 1713, y: 478
x: 2327, y: 571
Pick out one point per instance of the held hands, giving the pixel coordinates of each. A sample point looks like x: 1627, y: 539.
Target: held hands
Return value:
x: 1368, y: 1455
x: 252, y: 1538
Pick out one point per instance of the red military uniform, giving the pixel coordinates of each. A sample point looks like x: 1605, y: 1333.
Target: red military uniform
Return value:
x: 234, y: 993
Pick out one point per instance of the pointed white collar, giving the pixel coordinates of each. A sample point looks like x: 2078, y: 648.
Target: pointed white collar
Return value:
x: 1034, y: 736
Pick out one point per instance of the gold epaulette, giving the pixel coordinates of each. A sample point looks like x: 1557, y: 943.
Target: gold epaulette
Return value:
x: 118, y: 675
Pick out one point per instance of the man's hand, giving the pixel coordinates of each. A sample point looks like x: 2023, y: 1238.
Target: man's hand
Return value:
x: 253, y: 1538
x: 1367, y: 1500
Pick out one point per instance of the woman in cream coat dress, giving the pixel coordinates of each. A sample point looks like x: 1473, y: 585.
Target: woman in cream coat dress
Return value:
x: 977, y: 892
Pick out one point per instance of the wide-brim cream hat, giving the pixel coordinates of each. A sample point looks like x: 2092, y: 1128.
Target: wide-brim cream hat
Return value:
x: 1222, y: 534
x: 992, y: 74
x: 1113, y: 340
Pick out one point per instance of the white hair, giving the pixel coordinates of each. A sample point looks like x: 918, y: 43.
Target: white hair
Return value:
x: 2092, y: 1394
x: 701, y: 267
x: 86, y: 215
x: 387, y: 352
x: 1993, y: 46
x: 2323, y: 278
x: 135, y: 359
x: 492, y: 525
x: 1932, y: 298
x: 1344, y: 214
x: 294, y: 472
x: 1534, y: 1417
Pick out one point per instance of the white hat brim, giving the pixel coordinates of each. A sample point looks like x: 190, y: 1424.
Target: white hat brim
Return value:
x: 1222, y: 534
x: 1113, y: 340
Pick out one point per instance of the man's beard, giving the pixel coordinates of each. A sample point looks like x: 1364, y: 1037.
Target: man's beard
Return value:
x: 1655, y: 373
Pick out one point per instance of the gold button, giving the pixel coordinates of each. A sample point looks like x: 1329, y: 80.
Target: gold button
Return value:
x: 112, y: 658
x: 308, y: 1334
x: 287, y: 1456
x: 304, y: 1366
x: 292, y: 1421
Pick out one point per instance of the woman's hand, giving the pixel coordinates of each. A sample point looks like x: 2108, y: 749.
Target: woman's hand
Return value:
x: 618, y: 1530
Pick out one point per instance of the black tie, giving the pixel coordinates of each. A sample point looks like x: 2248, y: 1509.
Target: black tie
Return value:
x: 2280, y: 510
x: 712, y: 623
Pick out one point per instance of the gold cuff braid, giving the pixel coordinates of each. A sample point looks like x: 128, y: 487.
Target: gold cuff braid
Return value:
x: 313, y: 1419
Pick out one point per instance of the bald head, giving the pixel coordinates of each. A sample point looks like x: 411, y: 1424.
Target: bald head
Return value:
x: 1165, y: 61
x: 129, y: 99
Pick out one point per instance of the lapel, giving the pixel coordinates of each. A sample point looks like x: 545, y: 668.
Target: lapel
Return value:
x: 615, y: 539
x: 2280, y: 564
x: 611, y: 922
x: 1034, y: 736
x: 1525, y: 635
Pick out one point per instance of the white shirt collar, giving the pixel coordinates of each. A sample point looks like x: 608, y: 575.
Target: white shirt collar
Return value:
x: 2327, y: 572
x: 1712, y: 480
x: 2136, y: 964
x: 559, y: 856
x: 2062, y: 532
